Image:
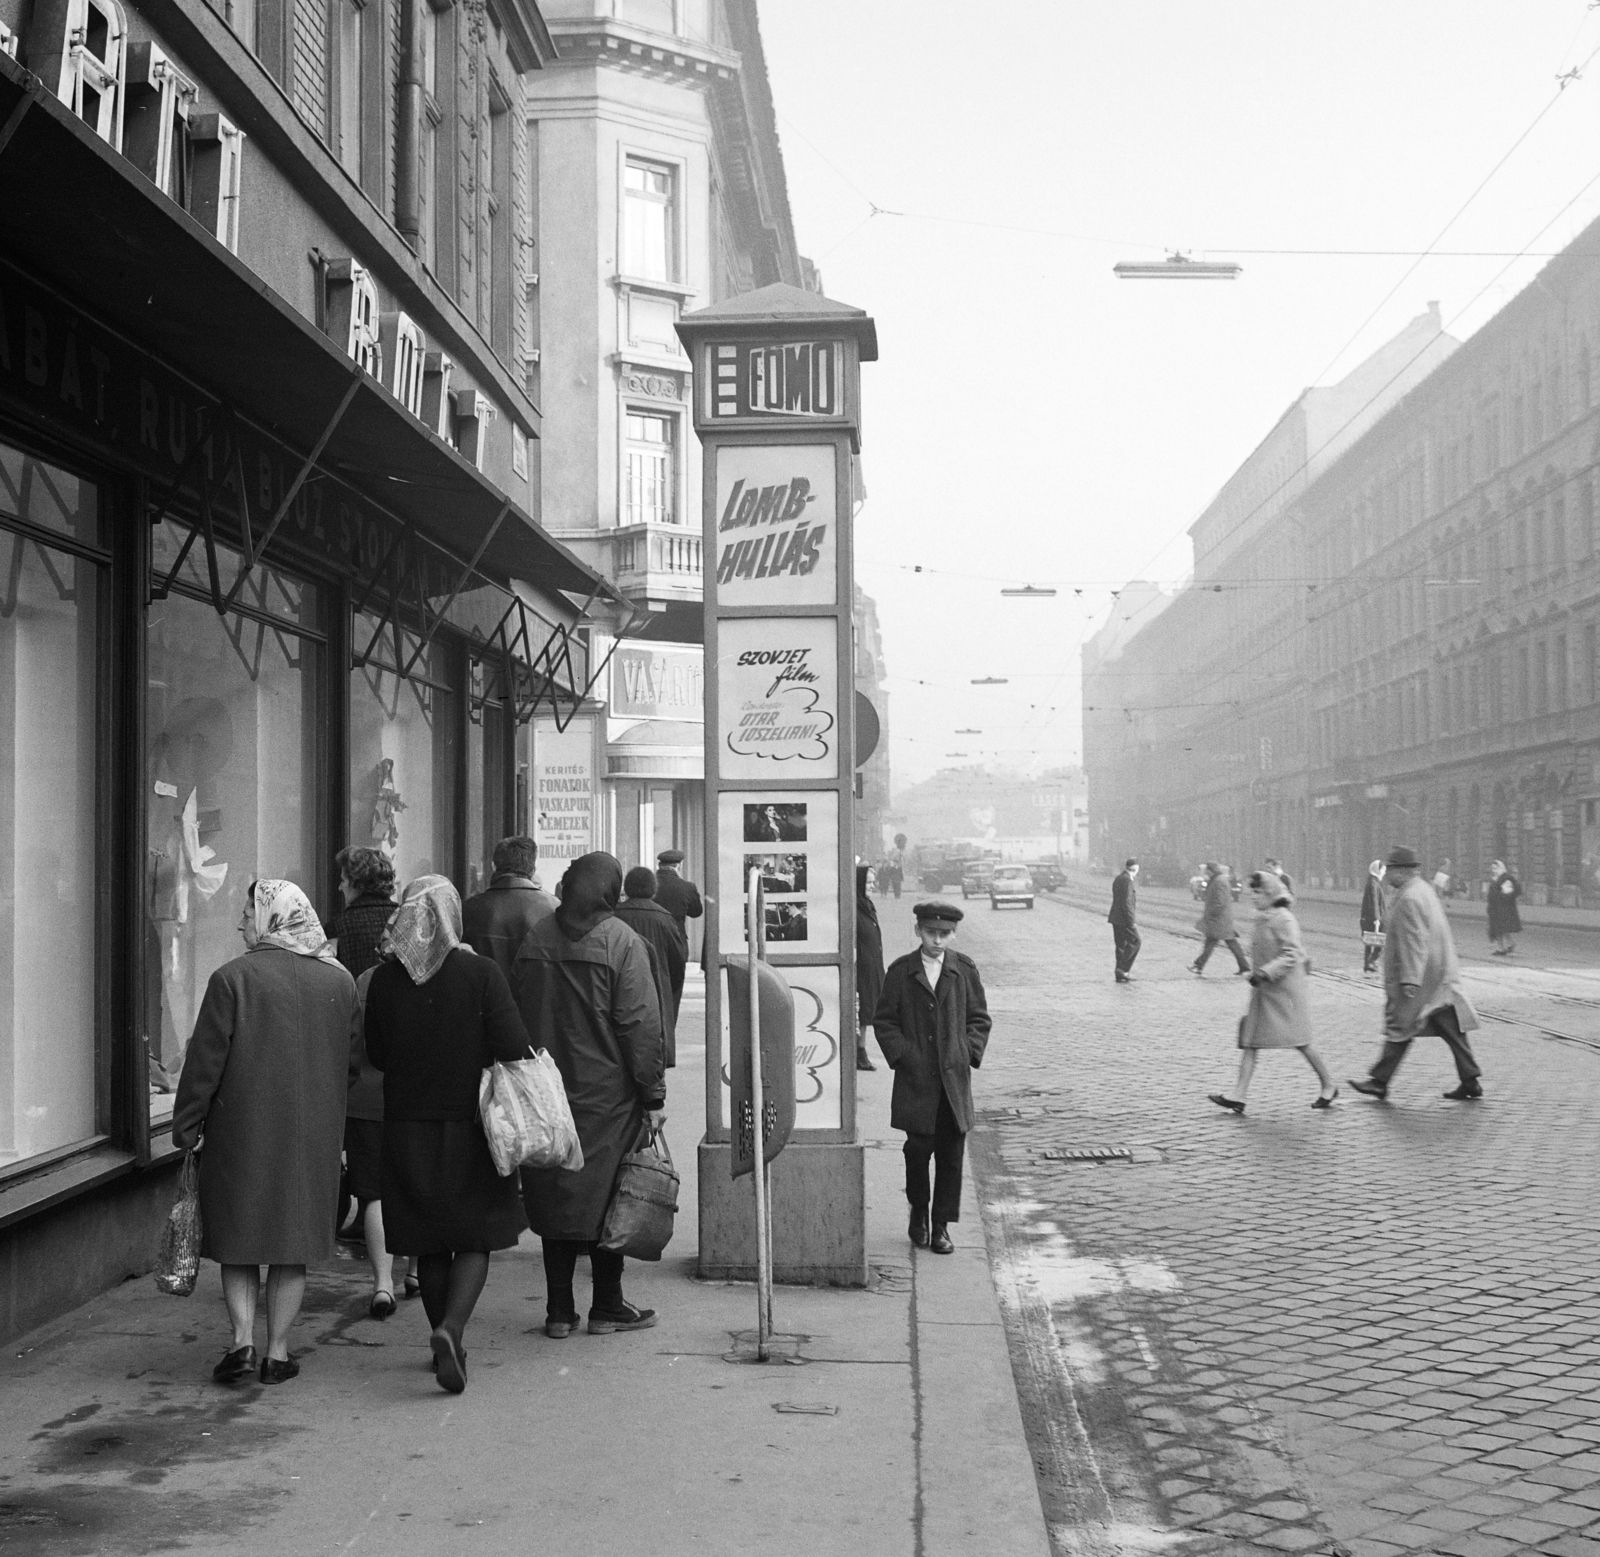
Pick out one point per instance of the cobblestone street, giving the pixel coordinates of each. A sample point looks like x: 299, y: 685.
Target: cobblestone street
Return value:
x: 1371, y: 1330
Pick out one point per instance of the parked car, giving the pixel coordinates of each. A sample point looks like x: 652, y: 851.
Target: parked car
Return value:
x: 1047, y: 876
x: 975, y: 876
x: 1011, y: 884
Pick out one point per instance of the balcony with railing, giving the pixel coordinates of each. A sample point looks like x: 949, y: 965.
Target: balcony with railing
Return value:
x: 657, y: 562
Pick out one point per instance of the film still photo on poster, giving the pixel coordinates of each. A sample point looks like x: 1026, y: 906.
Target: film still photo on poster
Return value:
x: 782, y: 875
x: 768, y: 823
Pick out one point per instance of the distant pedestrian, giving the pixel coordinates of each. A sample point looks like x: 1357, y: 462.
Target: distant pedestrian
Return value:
x: 869, y: 965
x: 1280, y: 1010
x: 680, y: 897
x: 494, y: 921
x: 1421, y: 983
x: 264, y: 1082
x: 932, y: 1023
x: 1505, y: 922
x: 897, y: 872
x: 437, y: 1015
x: 669, y: 952
x: 1277, y: 870
x: 1124, y: 920
x: 366, y: 884
x: 585, y: 991
x: 1372, y: 917
x: 1216, y: 923
x: 1441, y: 881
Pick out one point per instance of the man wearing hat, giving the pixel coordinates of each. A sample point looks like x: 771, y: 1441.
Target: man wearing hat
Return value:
x: 1421, y: 982
x: 680, y: 898
x: 932, y: 1024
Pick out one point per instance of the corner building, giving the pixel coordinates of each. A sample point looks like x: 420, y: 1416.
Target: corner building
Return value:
x: 658, y: 188
x: 272, y: 581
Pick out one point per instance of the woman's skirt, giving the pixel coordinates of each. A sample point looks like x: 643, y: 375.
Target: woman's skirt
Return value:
x: 441, y: 1193
x: 363, y: 1158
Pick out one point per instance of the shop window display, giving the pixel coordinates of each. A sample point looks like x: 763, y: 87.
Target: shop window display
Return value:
x: 234, y: 724
x: 404, y: 747
x: 49, y: 668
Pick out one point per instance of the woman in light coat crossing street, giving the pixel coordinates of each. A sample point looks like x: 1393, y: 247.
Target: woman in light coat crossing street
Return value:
x: 1280, y: 1014
x: 1216, y: 923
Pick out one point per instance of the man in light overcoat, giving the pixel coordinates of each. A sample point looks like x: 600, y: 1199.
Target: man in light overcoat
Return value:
x: 932, y: 1024
x: 1422, y: 990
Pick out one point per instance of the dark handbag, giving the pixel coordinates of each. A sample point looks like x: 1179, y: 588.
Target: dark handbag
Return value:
x: 644, y: 1201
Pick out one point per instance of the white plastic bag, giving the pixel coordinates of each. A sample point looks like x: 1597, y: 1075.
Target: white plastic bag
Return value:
x: 525, y: 1116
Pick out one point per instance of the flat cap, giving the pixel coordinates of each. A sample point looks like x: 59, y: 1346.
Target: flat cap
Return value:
x: 1403, y: 855
x: 670, y: 857
x: 936, y: 912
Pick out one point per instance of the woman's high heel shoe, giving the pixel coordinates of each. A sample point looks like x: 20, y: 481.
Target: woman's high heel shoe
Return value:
x: 1325, y: 1102
x: 1233, y: 1105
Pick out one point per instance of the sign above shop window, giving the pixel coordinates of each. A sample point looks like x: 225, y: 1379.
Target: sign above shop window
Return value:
x: 668, y: 682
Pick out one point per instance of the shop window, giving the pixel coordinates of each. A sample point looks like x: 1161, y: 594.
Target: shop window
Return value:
x: 84, y: 43
x: 352, y: 314
x: 403, y: 749
x: 50, y: 657
x: 218, y: 177
x: 234, y: 711
x: 649, y: 225
x: 650, y: 470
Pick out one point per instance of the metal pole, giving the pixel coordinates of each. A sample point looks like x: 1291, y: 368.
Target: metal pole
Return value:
x: 758, y: 1124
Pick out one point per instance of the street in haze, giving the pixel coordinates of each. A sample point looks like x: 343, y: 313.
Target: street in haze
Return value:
x: 1374, y: 1329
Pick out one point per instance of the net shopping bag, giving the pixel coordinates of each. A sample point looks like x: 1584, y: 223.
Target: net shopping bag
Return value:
x: 178, y: 1263
x: 643, y: 1202
x: 526, y: 1117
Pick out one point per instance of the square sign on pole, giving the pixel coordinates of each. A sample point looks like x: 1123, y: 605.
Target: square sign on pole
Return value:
x: 777, y: 408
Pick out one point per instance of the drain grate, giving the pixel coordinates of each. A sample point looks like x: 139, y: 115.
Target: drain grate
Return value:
x: 1102, y: 1154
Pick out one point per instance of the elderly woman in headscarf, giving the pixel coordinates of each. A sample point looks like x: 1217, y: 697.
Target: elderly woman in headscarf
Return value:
x: 869, y: 964
x: 1372, y: 917
x: 585, y: 991
x: 264, y: 1083
x: 437, y: 1014
x: 1280, y: 1011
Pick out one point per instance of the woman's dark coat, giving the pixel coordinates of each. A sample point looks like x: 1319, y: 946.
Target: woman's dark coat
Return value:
x: 592, y: 1003
x: 265, y: 1077
x: 669, y: 956
x: 932, y: 1039
x: 869, y: 959
x: 432, y: 1042
x: 1216, y: 923
x: 1504, y: 919
x: 1372, y: 904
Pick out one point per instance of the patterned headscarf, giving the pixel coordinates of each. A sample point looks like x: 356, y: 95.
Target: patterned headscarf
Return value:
x: 285, y: 919
x: 426, y: 927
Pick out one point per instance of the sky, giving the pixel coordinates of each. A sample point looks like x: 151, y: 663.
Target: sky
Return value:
x: 970, y: 174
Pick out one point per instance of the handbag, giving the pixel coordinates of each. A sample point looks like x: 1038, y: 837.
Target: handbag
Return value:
x: 178, y: 1260
x: 644, y: 1201
x: 1372, y: 937
x: 527, y: 1120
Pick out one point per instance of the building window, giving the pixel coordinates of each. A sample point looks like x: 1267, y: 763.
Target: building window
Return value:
x: 357, y: 90
x: 650, y: 469
x: 1591, y: 663
x: 93, y: 45
x: 649, y: 242
x: 51, y: 655
x: 233, y: 782
x: 1561, y: 671
x: 428, y: 30
x: 499, y: 301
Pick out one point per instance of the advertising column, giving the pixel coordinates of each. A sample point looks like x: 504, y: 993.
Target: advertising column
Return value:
x: 777, y: 410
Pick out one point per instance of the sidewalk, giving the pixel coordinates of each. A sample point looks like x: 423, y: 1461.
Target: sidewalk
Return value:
x: 889, y: 1425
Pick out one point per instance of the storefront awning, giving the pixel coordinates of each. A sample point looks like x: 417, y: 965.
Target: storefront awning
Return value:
x: 80, y: 217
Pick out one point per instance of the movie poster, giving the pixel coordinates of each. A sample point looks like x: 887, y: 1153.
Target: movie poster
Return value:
x: 818, y: 1048
x: 778, y: 698
x: 776, y: 540
x: 793, y: 840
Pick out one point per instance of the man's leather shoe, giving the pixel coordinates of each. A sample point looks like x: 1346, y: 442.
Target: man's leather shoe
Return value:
x: 1467, y: 1092
x: 1368, y: 1088
x: 917, y: 1232
x: 940, y: 1242
x: 238, y: 1364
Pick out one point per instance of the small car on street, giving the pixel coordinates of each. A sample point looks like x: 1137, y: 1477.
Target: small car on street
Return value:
x: 975, y: 876
x: 1011, y: 884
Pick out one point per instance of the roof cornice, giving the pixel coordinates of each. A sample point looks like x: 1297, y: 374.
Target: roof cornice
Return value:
x: 581, y: 41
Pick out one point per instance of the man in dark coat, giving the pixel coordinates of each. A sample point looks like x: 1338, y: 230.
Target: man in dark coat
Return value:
x: 680, y: 898
x: 1216, y: 923
x: 1124, y: 926
x: 496, y: 920
x: 669, y: 951
x: 869, y: 965
x: 932, y: 1024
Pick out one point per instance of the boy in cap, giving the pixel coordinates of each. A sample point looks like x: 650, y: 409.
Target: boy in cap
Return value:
x: 932, y: 1024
